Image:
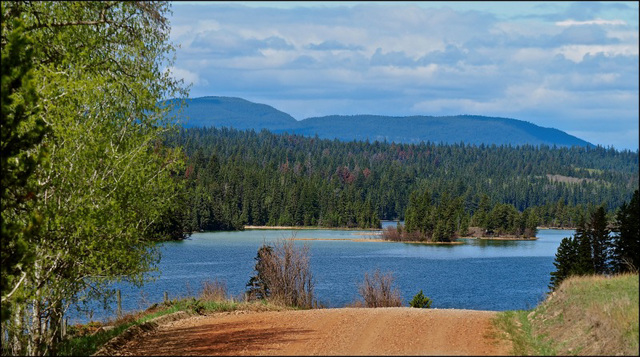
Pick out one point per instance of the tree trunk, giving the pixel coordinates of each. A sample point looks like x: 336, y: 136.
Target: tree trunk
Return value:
x: 55, y: 328
x: 14, y: 332
x: 34, y: 347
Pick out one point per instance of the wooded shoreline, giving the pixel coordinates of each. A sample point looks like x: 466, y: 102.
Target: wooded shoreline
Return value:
x: 301, y: 228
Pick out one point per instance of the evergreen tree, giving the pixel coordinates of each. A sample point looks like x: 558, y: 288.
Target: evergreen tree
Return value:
x: 20, y: 153
x: 626, y: 241
x: 481, y: 215
x: 565, y: 262
x: 420, y: 301
x: 258, y: 286
x: 598, y: 235
x: 328, y: 182
x: 584, y: 260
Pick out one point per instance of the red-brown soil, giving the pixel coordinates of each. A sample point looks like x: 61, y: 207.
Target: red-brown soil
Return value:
x: 346, y: 331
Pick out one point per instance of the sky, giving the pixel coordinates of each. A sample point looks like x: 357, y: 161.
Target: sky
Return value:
x: 572, y: 66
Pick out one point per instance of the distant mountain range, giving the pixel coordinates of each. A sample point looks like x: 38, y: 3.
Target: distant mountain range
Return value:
x: 469, y: 129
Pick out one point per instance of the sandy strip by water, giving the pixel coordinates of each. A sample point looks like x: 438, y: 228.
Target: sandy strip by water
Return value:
x: 312, y: 228
x: 379, y: 241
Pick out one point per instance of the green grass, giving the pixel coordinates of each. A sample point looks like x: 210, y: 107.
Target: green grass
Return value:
x: 518, y: 329
x: 88, y: 344
x: 592, y: 315
x: 591, y: 171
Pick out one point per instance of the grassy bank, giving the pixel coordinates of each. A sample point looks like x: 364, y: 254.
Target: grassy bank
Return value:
x: 592, y: 315
x: 84, y: 340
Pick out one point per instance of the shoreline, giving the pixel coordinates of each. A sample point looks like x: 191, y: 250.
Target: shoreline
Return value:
x: 499, y: 238
x: 300, y: 228
x: 371, y: 233
x: 377, y: 240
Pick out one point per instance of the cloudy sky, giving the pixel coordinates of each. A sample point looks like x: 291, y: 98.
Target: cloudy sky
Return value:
x: 567, y: 65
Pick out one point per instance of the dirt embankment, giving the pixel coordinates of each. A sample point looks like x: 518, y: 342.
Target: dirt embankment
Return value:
x: 346, y: 331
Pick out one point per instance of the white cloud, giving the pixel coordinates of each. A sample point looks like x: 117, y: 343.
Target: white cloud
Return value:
x: 576, y: 53
x: 564, y: 67
x: 591, y: 22
x: 186, y: 75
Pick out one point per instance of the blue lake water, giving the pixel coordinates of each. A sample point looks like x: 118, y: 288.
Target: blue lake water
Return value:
x: 480, y: 275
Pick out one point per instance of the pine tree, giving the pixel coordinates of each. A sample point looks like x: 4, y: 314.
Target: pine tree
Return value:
x: 258, y: 286
x: 626, y: 242
x: 598, y: 234
x: 22, y: 131
x: 584, y: 259
x: 565, y: 262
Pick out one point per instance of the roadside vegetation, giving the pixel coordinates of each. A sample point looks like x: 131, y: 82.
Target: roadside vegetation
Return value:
x: 283, y: 275
x: 282, y: 281
x: 585, y: 315
x: 593, y: 305
x: 595, y: 250
x: 87, y: 339
x: 377, y: 290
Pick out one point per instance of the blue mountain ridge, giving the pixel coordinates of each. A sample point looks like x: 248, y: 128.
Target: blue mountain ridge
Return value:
x: 242, y: 114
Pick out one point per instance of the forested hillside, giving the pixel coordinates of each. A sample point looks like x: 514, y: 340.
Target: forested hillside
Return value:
x: 242, y: 114
x: 468, y: 129
x: 235, y: 178
x: 233, y: 112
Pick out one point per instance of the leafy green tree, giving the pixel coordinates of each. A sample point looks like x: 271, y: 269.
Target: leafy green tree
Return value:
x: 174, y: 222
x: 107, y: 178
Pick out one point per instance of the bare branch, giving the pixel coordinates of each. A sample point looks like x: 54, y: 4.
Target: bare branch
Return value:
x: 6, y: 297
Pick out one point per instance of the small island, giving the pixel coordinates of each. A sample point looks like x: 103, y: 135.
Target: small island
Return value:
x: 443, y: 219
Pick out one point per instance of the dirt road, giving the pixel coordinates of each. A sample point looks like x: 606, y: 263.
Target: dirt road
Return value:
x: 346, y: 331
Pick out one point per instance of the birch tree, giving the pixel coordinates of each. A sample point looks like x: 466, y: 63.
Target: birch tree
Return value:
x: 100, y: 72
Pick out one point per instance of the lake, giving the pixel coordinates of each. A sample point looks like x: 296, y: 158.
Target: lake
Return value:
x: 479, y: 275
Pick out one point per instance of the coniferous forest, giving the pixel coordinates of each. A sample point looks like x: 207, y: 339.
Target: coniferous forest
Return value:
x: 234, y: 178
x: 593, y: 249
x: 95, y: 170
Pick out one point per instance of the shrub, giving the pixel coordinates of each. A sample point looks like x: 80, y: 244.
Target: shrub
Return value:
x: 283, y: 275
x: 196, y: 306
x: 420, y: 301
x: 377, y: 290
x: 258, y: 289
x: 213, y: 291
x: 392, y: 234
x: 399, y: 234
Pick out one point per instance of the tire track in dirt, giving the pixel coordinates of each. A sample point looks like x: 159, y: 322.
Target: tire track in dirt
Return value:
x: 346, y: 331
